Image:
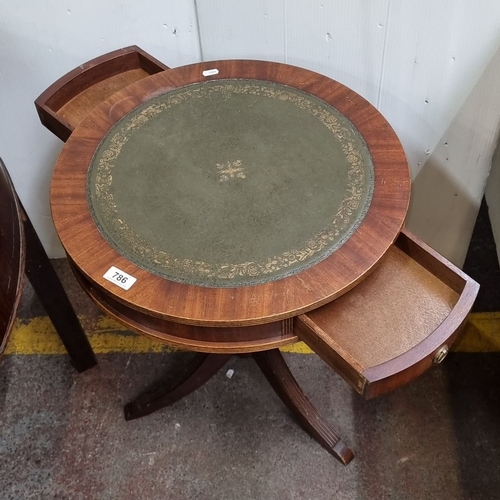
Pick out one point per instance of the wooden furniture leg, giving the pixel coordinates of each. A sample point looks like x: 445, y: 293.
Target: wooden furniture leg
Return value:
x: 47, y: 286
x: 202, y: 368
x: 275, y: 369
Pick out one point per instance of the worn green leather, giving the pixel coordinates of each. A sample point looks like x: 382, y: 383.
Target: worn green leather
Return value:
x: 230, y: 183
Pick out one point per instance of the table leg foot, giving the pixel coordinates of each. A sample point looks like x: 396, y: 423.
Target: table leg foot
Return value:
x: 275, y: 369
x: 201, y: 369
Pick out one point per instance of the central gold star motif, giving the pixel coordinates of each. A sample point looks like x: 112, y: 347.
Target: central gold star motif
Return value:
x: 230, y: 171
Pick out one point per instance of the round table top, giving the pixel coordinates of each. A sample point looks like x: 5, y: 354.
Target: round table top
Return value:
x: 255, y: 182
x: 250, y: 195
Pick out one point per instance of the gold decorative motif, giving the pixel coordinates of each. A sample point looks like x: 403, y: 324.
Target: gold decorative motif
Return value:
x: 230, y: 171
x: 356, y: 189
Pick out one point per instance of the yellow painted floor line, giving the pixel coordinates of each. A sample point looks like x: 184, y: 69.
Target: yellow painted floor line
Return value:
x: 481, y: 334
x: 38, y: 336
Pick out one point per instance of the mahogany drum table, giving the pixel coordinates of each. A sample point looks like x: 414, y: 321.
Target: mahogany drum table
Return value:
x: 210, y: 205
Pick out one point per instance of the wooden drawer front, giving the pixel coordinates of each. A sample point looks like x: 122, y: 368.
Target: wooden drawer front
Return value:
x: 396, y: 323
x: 71, y: 98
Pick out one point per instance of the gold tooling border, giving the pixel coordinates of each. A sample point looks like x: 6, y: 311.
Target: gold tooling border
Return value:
x: 340, y: 223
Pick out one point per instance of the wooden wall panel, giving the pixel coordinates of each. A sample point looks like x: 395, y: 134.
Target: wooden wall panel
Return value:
x: 447, y: 190
x: 493, y: 198
x: 435, y: 55
x: 242, y: 30
x: 437, y: 90
x: 343, y: 39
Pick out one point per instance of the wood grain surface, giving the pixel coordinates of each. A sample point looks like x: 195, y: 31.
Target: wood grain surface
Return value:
x: 386, y: 331
x: 12, y: 255
x: 220, y: 340
x: 246, y: 305
x: 63, y: 105
x: 22, y: 253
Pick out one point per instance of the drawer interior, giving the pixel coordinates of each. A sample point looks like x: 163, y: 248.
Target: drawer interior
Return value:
x: 77, y: 108
x: 71, y: 98
x: 386, y: 330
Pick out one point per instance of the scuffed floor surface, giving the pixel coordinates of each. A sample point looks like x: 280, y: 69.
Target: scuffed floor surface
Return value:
x: 63, y: 434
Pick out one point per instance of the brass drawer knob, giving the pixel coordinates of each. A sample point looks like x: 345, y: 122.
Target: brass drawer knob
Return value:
x: 440, y: 354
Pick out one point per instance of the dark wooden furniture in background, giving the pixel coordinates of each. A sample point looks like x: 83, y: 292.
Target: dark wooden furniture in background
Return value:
x: 12, y: 256
x: 378, y: 313
x: 22, y: 252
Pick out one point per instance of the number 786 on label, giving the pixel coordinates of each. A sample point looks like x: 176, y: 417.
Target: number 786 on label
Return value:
x: 119, y: 277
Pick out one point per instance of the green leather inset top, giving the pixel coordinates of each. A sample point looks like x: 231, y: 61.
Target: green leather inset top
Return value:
x: 229, y: 183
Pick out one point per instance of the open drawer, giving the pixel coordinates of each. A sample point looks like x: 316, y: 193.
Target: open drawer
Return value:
x: 395, y: 324
x: 71, y: 98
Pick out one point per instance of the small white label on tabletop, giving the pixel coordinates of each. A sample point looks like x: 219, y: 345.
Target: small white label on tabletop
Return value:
x: 210, y: 72
x: 119, y: 278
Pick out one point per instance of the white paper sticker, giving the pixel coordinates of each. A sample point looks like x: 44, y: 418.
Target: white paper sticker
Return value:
x: 119, y: 278
x: 210, y: 72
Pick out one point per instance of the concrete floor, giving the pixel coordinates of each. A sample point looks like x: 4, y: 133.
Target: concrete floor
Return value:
x: 64, y: 436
